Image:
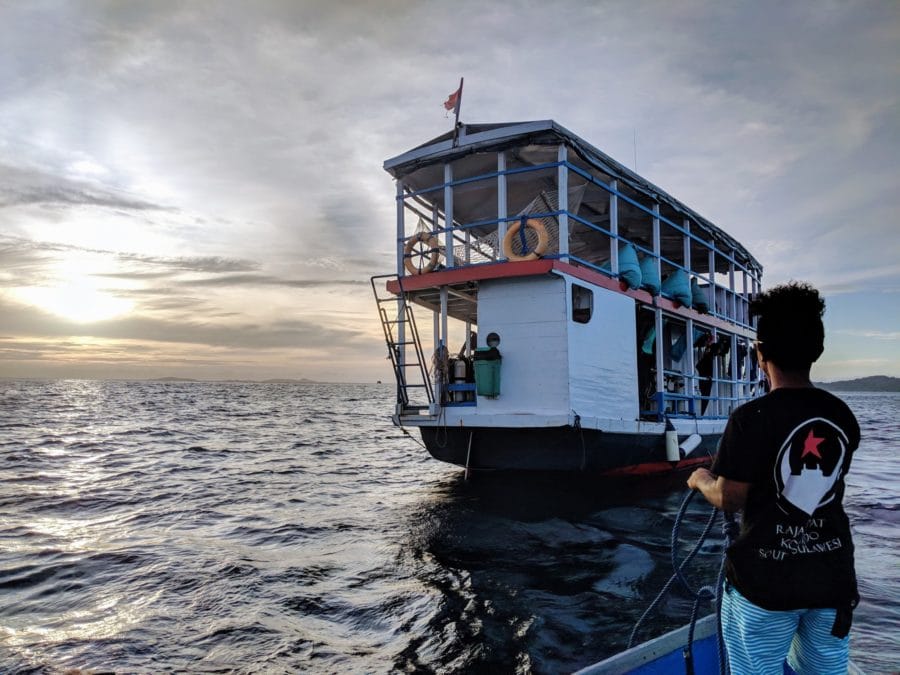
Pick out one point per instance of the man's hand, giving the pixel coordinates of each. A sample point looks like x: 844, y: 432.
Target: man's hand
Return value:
x: 700, y: 477
x: 724, y: 494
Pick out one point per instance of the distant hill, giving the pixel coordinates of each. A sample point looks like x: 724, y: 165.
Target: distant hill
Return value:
x: 273, y: 381
x: 873, y: 383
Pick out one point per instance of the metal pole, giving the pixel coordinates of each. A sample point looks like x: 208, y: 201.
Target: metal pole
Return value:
x: 614, y: 228
x: 562, y: 180
x: 448, y: 216
x: 660, y: 376
x: 456, y: 116
x: 689, y: 378
x: 401, y: 300
x: 501, y: 204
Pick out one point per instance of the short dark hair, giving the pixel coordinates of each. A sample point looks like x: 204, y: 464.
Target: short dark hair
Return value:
x: 789, y: 329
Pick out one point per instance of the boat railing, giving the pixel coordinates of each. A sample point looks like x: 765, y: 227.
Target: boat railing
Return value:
x: 732, y: 303
x: 691, y: 406
x: 469, y: 250
x: 682, y: 398
x: 479, y: 241
x: 459, y: 394
x: 488, y: 248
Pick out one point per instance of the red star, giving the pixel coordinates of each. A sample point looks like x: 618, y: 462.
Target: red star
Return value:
x: 811, y: 445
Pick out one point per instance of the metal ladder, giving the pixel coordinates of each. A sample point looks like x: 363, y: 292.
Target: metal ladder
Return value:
x: 397, y: 349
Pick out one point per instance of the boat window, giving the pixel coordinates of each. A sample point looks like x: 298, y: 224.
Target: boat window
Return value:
x: 582, y: 303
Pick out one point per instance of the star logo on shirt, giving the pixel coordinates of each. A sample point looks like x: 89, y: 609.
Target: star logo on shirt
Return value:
x: 809, y: 464
x: 811, y: 446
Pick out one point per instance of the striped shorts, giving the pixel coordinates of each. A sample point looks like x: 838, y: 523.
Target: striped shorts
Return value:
x: 759, y: 640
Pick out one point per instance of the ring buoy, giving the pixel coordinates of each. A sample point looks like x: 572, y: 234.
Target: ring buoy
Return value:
x: 434, y: 251
x: 539, y: 249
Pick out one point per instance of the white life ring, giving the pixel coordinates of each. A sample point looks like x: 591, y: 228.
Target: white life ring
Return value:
x: 539, y: 249
x: 431, y: 242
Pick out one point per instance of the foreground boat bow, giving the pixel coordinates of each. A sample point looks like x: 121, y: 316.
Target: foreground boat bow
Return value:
x: 664, y: 655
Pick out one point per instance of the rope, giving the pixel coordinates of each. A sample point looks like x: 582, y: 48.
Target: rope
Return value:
x: 440, y: 368
x: 441, y: 427
x: 403, y: 429
x: 524, y: 243
x: 729, y: 529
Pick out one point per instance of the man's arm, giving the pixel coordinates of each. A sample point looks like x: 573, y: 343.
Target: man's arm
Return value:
x: 727, y: 495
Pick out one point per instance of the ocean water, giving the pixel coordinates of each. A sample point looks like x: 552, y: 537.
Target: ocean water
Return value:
x: 151, y: 527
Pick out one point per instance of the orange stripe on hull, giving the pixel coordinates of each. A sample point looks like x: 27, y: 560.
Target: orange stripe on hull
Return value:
x: 657, y: 468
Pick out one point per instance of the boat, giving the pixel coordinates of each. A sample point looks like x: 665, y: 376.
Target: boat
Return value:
x: 581, y: 318
x: 666, y: 654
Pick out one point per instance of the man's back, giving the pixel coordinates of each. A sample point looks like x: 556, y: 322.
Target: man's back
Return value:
x: 794, y: 447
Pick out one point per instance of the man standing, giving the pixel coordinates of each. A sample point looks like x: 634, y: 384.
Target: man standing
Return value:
x: 791, y: 586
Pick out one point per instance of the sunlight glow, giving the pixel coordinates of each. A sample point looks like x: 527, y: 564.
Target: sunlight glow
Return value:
x: 78, y: 300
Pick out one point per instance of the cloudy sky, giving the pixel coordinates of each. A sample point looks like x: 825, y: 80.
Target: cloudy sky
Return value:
x: 195, y: 188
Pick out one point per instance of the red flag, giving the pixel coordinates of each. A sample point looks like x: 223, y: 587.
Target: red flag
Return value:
x: 453, y: 100
x: 452, y: 103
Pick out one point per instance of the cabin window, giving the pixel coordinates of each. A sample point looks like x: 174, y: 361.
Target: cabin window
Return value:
x: 582, y: 304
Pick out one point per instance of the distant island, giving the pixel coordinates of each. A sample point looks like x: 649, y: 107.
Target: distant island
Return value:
x: 872, y: 383
x: 302, y: 380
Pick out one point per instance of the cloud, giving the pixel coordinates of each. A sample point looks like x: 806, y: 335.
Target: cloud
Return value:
x: 20, y: 320
x: 210, y: 264
x: 263, y: 280
x: 20, y: 265
x: 208, y: 160
x: 21, y: 186
x: 26, y: 263
x: 876, y: 334
x: 59, y: 195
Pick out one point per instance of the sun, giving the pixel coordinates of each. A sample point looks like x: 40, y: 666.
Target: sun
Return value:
x: 76, y: 288
x: 77, y: 299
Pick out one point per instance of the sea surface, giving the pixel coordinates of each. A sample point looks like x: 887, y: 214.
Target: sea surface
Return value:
x: 151, y: 527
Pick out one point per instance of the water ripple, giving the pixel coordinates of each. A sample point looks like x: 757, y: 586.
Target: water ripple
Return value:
x: 237, y: 527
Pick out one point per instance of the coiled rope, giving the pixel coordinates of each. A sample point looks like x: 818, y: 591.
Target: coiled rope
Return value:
x: 729, y: 528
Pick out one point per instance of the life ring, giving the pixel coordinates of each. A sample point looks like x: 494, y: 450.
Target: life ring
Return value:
x: 539, y: 249
x: 433, y: 252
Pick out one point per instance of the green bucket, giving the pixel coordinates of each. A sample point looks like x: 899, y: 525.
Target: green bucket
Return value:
x: 487, y: 371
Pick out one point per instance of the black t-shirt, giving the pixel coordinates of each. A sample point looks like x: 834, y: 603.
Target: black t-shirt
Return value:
x: 794, y: 447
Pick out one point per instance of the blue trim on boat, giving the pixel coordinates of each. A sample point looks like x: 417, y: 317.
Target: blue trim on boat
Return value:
x: 664, y: 655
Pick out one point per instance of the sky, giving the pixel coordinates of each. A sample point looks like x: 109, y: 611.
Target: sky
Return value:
x: 196, y: 189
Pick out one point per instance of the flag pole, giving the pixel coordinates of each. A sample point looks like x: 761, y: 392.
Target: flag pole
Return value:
x: 456, y: 118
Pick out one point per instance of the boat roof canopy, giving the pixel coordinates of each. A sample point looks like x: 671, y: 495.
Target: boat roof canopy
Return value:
x: 475, y: 138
